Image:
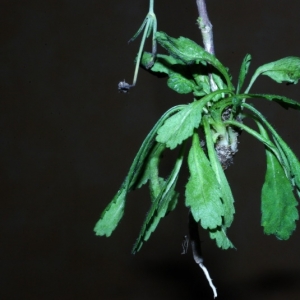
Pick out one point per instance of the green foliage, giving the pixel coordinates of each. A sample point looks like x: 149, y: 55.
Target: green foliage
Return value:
x: 243, y: 72
x: 227, y: 198
x: 114, y: 211
x: 283, y: 70
x: 283, y: 101
x: 218, y: 116
x: 286, y: 69
x: 222, y: 241
x: 189, y: 52
x: 180, y: 126
x: 278, y: 207
x: 180, y: 84
x: 112, y: 214
x: 164, y: 199
x: 203, y: 194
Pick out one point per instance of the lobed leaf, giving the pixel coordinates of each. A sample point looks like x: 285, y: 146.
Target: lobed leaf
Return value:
x: 226, y: 193
x: 243, y: 72
x: 164, y: 202
x: 283, y: 152
x: 180, y: 79
x: 163, y: 63
x: 279, y: 211
x: 255, y: 134
x: 181, y: 125
x: 283, y: 70
x: 282, y: 100
x: 202, y: 190
x: 151, y: 165
x: 112, y: 214
x: 294, y: 164
x: 158, y: 210
x: 180, y: 84
x: 190, y: 52
x: 218, y: 81
x: 156, y: 183
x: 181, y: 48
x: 139, y: 161
x: 286, y: 69
x: 183, y: 78
x: 219, y: 234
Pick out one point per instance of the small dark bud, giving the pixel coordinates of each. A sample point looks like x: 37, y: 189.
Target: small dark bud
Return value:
x: 124, y: 87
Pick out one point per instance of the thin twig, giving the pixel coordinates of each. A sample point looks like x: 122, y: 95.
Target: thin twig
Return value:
x: 205, y: 27
x: 207, y: 35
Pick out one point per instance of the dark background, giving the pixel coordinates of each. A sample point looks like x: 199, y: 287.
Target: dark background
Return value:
x: 67, y: 139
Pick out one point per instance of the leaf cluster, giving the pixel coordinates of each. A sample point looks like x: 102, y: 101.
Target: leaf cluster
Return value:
x: 217, y: 116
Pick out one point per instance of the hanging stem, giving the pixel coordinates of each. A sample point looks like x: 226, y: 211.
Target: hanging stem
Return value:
x: 205, y: 27
x: 207, y: 35
x: 139, y: 56
x: 154, y: 29
x: 149, y: 24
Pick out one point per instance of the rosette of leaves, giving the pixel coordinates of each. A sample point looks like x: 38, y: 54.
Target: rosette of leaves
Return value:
x: 219, y: 116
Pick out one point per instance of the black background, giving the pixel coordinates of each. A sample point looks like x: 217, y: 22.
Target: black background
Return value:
x: 67, y: 139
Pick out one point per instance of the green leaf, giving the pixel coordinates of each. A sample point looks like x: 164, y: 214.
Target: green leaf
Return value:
x: 203, y: 190
x: 163, y: 63
x: 204, y: 84
x: 279, y: 211
x: 219, y: 81
x: 243, y: 72
x: 173, y: 203
x: 112, y: 214
x: 139, y: 161
x: 282, y: 100
x: 183, y: 78
x: 151, y: 165
x: 159, y: 209
x: 190, y: 52
x: 283, y: 152
x: 180, y: 78
x: 226, y: 193
x: 181, y: 48
x: 156, y: 183
x: 181, y: 125
x: 180, y: 84
x: 200, y: 74
x: 255, y: 134
x: 219, y: 234
x: 293, y: 162
x: 286, y: 69
x: 165, y: 201
x: 283, y: 70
